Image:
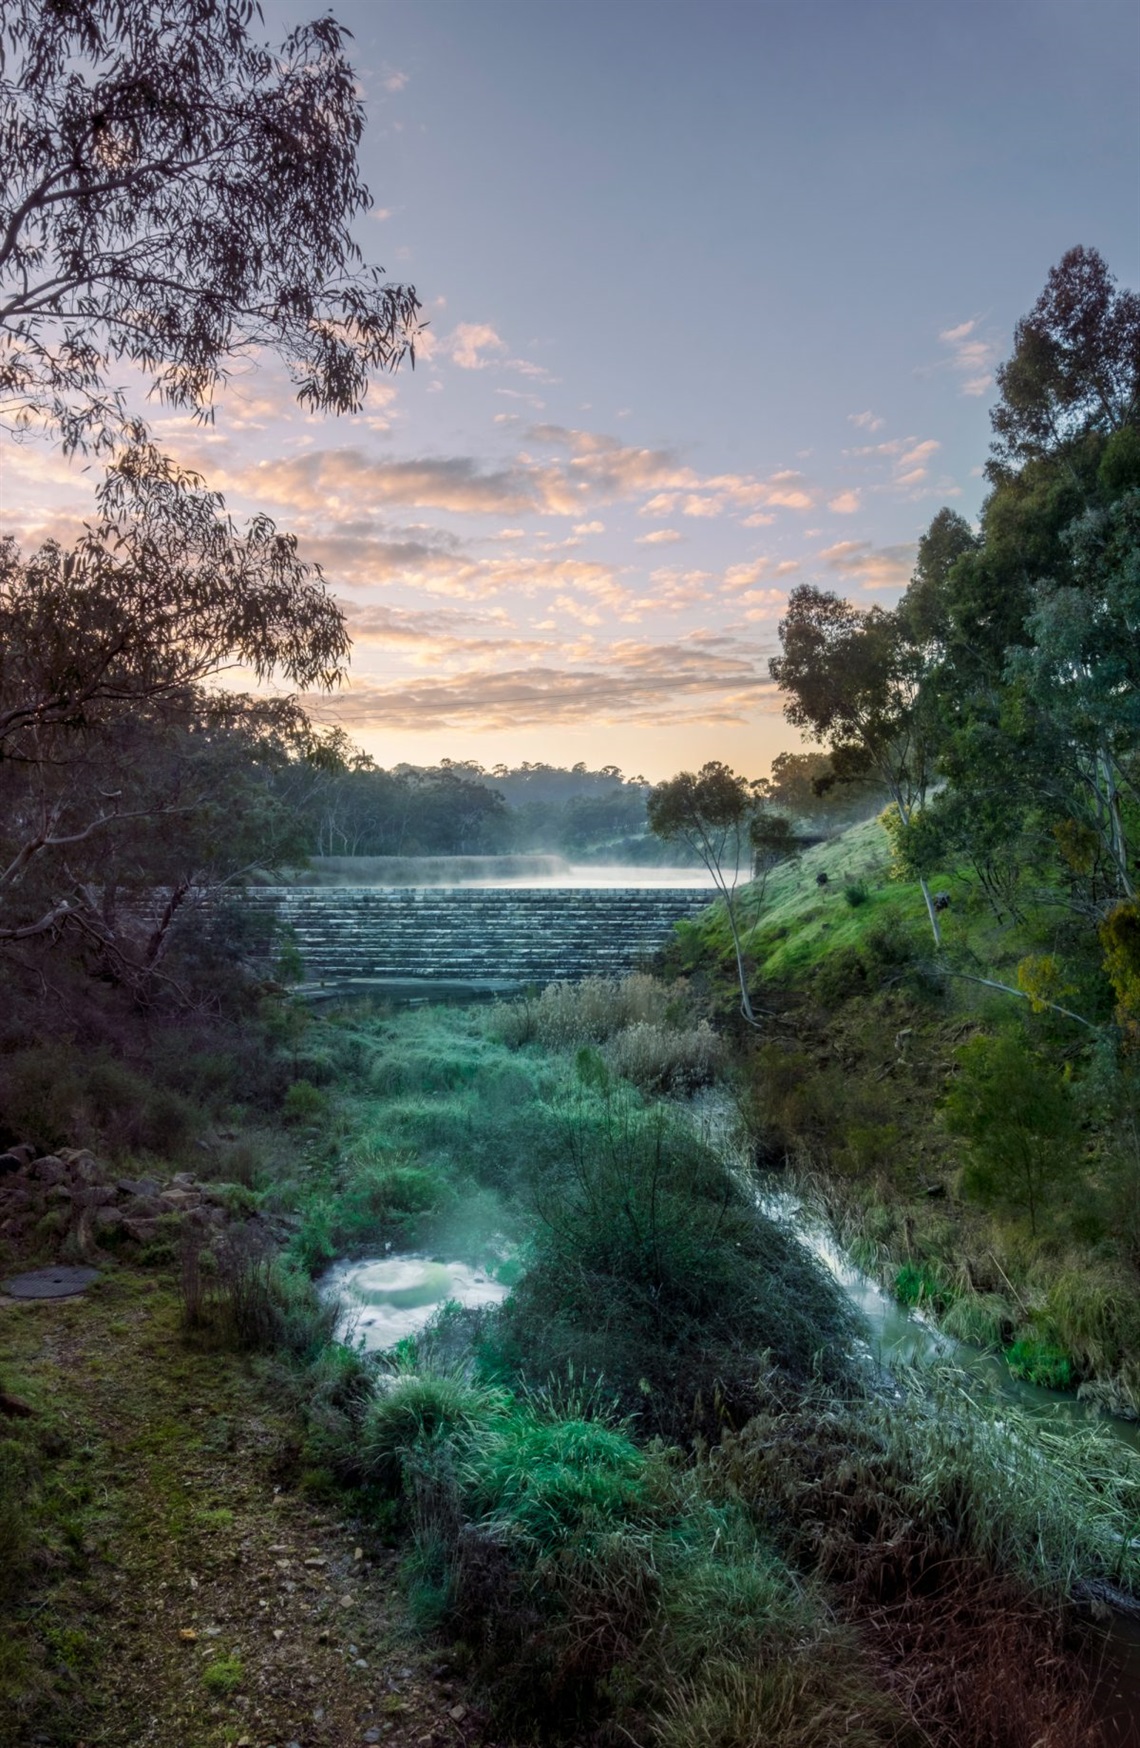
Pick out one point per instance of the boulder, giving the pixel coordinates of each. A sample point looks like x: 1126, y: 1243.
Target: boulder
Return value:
x: 138, y: 1186
x: 180, y: 1199
x: 108, y: 1220
x: 145, y: 1207
x: 50, y: 1169
x: 10, y: 1163
x: 85, y: 1168
x: 93, y: 1195
x: 141, y: 1230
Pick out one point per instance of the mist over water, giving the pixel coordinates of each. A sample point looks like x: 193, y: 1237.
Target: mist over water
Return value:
x: 488, y: 871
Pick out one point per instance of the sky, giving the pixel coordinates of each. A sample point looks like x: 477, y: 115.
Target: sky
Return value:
x: 714, y: 298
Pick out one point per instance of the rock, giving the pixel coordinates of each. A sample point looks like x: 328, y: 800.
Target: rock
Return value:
x: 9, y: 1164
x: 50, y: 1169
x: 85, y: 1169
x: 183, y: 1180
x: 142, y: 1231
x: 457, y: 1714
x: 145, y: 1207
x: 108, y: 1220
x: 179, y: 1199
x: 189, y: 1635
x: 93, y: 1196
x: 137, y: 1186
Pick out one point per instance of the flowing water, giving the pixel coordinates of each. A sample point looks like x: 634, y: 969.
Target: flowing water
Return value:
x: 387, y: 1298
x: 902, y: 1336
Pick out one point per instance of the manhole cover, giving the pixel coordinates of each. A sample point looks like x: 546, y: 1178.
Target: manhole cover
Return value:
x: 54, y: 1283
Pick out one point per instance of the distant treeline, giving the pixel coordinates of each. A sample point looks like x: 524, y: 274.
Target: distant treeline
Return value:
x: 462, y: 809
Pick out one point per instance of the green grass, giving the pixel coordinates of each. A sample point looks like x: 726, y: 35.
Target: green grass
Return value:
x: 223, y: 1676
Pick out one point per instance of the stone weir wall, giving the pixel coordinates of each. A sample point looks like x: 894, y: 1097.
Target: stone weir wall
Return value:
x: 490, y: 936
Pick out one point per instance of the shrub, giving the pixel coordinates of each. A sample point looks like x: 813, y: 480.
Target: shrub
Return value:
x: 654, y: 1271
x: 981, y: 1319
x: 920, y: 1284
x: 589, y: 1012
x: 304, y: 1103
x: 60, y: 1096
x: 856, y: 893
x: 660, y: 1058
x: 1019, y: 1121
x: 416, y: 1410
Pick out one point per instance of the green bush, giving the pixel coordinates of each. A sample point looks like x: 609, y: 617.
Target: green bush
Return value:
x: 1019, y: 1120
x: 61, y: 1096
x: 304, y: 1103
x: 1040, y: 1361
x: 417, y: 1410
x: 653, y: 1271
x: 856, y: 893
x: 920, y: 1284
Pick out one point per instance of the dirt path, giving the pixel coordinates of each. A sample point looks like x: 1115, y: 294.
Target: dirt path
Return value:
x: 186, y: 1593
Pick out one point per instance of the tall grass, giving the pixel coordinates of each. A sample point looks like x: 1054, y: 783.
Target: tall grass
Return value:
x: 653, y: 1272
x: 594, y: 1579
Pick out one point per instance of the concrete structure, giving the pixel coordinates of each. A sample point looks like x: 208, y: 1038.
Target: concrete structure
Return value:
x: 437, y: 940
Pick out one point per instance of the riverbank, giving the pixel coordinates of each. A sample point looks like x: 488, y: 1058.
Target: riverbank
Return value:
x: 975, y: 1147
x: 633, y: 1503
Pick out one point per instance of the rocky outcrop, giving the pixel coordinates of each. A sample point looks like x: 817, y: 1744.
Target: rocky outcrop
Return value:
x: 71, y: 1204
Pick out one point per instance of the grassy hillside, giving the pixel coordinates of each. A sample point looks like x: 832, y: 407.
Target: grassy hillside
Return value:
x: 871, y: 1078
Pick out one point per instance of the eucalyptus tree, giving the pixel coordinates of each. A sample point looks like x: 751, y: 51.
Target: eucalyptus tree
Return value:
x: 854, y: 680
x: 176, y: 194
x: 117, y: 742
x: 722, y: 819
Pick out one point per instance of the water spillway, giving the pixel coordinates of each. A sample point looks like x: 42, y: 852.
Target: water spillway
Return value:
x: 496, y: 937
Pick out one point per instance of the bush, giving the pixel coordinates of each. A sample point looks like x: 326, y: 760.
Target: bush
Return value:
x: 654, y: 1271
x: 414, y: 1411
x: 60, y: 1097
x: 1018, y: 1118
x: 304, y: 1103
x: 856, y: 893
x: 590, y: 1012
x: 665, y: 1059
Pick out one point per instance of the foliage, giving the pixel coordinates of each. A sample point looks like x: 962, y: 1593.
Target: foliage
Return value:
x: 121, y: 774
x: 1120, y: 938
x: 1041, y: 1362
x: 177, y: 194
x: 1020, y: 1124
x: 720, y: 818
x: 654, y: 1273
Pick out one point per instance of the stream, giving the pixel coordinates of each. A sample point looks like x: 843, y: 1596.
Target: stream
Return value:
x: 387, y: 1298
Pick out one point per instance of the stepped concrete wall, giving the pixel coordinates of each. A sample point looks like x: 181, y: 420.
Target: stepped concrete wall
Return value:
x: 492, y: 937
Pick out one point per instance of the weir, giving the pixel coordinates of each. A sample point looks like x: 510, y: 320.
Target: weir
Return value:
x: 484, y: 939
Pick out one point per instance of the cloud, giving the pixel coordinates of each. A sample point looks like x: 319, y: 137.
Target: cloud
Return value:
x: 867, y: 421
x: 470, y: 341
x: 333, y: 480
x: 844, y: 503
x: 884, y: 567
x: 589, y: 527
x: 659, y: 537
x: 708, y: 676
x: 908, y: 457
x: 972, y: 356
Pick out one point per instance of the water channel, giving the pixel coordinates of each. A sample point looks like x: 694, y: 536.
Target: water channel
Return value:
x: 388, y: 1298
